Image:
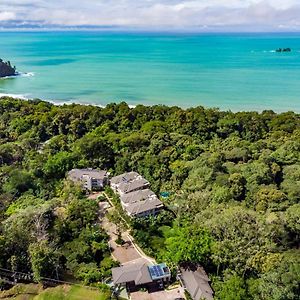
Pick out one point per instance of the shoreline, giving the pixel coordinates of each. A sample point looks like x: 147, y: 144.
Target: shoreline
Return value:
x: 77, y: 102
x: 58, y: 102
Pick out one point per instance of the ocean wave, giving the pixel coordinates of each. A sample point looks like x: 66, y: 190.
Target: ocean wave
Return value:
x: 15, y: 96
x: 8, y: 77
x: 29, y: 74
x: 78, y: 102
x: 61, y: 103
x: 269, y: 51
x: 27, y: 97
x: 57, y: 102
x: 19, y: 74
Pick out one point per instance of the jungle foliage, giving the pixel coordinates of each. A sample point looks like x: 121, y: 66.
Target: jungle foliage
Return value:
x: 233, y: 181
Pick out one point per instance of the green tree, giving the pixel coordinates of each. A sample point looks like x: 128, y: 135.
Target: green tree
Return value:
x: 56, y: 166
x: 237, y: 184
x: 19, y: 181
x: 76, y: 215
x: 233, y: 288
x: 282, y: 282
x: 188, y: 244
x: 269, y: 197
x: 44, y: 261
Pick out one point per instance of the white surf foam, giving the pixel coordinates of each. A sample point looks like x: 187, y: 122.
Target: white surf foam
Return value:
x: 19, y: 74
x: 269, y: 51
x: 56, y: 102
x: 8, y: 77
x: 15, y: 96
x: 78, y: 102
x: 29, y: 74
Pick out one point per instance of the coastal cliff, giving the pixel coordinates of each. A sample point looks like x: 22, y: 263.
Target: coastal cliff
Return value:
x: 6, y: 69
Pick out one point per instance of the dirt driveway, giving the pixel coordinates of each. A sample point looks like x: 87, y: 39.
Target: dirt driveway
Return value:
x: 124, y: 253
x: 128, y: 251
x: 161, y: 295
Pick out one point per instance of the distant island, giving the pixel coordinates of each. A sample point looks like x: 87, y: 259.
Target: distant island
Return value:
x: 6, y: 69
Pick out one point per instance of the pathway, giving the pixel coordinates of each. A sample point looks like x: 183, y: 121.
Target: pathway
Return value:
x: 129, y: 251
x: 177, y: 293
x: 124, y: 253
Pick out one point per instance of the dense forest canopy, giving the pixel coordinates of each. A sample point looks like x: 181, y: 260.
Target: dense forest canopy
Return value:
x: 233, y: 181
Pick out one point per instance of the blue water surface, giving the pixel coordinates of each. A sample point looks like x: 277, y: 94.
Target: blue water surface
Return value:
x: 229, y: 71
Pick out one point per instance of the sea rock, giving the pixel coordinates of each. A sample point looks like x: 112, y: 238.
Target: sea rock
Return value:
x: 6, y: 69
x: 283, y: 50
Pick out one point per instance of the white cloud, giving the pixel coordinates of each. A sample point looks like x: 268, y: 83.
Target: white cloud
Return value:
x: 6, y: 16
x: 156, y: 13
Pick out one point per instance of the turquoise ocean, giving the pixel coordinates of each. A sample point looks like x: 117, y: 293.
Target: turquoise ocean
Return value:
x: 230, y: 71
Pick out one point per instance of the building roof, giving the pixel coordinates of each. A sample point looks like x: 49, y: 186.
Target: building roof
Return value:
x: 143, y: 206
x: 140, y: 272
x: 137, y: 196
x: 78, y: 174
x: 126, y: 177
x: 136, y: 271
x: 196, y: 282
x: 159, y: 271
x: 138, y: 183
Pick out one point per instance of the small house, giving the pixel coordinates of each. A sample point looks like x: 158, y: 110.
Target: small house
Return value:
x: 141, y: 203
x: 90, y: 179
x: 195, y: 281
x: 139, y: 274
x: 128, y: 182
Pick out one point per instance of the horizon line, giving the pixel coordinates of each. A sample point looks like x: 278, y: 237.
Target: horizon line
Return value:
x: 146, y: 30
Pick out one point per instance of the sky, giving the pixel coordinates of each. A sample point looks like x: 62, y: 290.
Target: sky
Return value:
x: 239, y: 15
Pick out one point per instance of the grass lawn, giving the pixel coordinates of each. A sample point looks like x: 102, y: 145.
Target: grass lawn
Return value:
x: 22, y: 292
x: 62, y: 292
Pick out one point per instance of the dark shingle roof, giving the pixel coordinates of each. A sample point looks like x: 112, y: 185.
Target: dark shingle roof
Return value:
x: 143, y: 206
x: 134, y: 271
x: 127, y: 187
x: 136, y: 196
x: 196, y: 282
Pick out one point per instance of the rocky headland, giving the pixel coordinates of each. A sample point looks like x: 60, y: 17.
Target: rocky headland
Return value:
x: 6, y: 69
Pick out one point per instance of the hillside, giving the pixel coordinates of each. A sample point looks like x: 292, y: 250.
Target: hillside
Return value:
x: 231, y: 179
